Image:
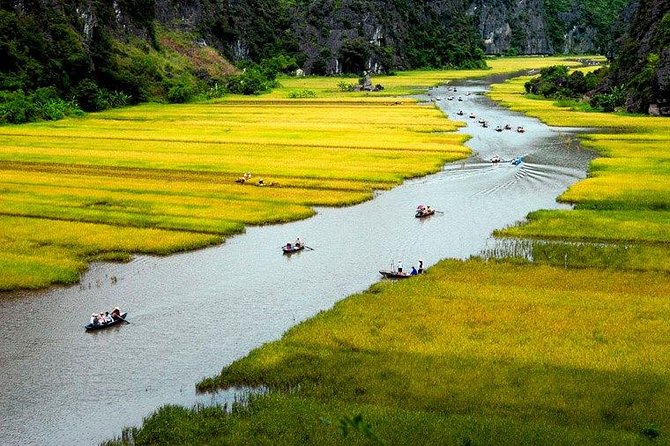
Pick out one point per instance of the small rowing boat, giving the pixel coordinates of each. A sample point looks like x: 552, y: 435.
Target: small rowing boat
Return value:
x: 290, y: 249
x: 395, y: 274
x: 424, y: 213
x: 115, y: 321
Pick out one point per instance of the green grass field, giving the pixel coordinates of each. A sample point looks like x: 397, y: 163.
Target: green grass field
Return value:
x: 470, y: 353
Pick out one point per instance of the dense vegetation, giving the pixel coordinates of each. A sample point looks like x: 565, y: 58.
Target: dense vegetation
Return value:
x: 641, y: 64
x: 558, y: 82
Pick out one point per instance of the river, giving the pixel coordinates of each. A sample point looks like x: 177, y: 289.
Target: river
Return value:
x: 193, y: 313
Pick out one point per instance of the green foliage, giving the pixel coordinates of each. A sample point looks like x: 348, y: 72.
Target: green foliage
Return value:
x: 354, y: 54
x: 302, y: 94
x: 280, y: 64
x: 609, y: 102
x: 558, y: 83
x: 253, y: 80
x: 91, y: 97
x: 346, y: 86
x: 448, y: 42
x: 181, y: 91
x: 43, y: 105
x: 651, y: 431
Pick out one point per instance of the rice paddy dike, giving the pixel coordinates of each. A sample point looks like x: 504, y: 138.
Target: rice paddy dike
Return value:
x: 568, y: 349
x: 157, y: 179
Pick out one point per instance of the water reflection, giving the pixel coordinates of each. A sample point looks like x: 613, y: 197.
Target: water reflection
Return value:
x: 192, y: 313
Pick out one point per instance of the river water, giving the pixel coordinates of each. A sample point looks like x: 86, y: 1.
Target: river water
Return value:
x: 191, y: 314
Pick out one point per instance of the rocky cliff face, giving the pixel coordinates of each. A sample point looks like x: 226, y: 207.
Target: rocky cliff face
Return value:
x: 346, y: 35
x: 642, y: 62
x: 512, y: 26
x: 544, y: 26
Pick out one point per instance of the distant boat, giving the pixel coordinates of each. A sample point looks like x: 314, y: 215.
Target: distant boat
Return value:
x: 472, y: 116
x: 508, y: 127
x: 495, y: 159
x: 421, y: 213
x: 290, y: 249
x: 520, y: 129
x: 395, y: 274
x: 115, y: 321
x: 518, y: 160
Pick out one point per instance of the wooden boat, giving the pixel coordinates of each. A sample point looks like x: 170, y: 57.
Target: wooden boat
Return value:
x: 290, y: 249
x: 91, y: 327
x: 395, y: 274
x: 424, y: 213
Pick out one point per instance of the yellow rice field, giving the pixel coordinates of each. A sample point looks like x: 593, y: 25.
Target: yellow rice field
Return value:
x: 158, y: 178
x: 161, y: 178
x: 626, y: 196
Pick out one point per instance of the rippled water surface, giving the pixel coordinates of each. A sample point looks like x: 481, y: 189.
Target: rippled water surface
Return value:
x: 191, y: 314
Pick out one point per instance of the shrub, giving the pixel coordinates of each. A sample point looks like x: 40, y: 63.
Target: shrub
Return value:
x: 346, y: 86
x: 300, y: 94
x: 250, y: 81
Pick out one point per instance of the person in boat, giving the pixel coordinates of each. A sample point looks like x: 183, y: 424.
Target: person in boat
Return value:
x: 399, y: 266
x: 108, y: 317
x: 288, y: 247
x: 298, y: 243
x: 414, y: 272
x: 428, y: 210
x: 101, y: 318
x: 116, y: 313
x: 94, y: 319
x: 420, y: 270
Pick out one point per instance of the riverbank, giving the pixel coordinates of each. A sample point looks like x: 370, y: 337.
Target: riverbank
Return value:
x: 471, y: 353
x: 158, y: 179
x: 621, y: 216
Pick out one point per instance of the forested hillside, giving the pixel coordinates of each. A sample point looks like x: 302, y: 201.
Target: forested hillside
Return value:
x: 641, y: 65
x: 57, y: 56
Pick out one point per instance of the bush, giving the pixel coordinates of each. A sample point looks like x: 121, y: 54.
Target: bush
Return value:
x: 346, y: 86
x: 44, y: 104
x: 250, y: 81
x: 181, y: 91
x: 300, y: 94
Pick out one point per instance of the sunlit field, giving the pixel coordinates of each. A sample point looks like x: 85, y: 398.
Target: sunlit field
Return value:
x: 470, y: 353
x: 626, y: 197
x: 494, y: 352
x: 174, y: 168
x: 136, y: 170
x: 412, y: 82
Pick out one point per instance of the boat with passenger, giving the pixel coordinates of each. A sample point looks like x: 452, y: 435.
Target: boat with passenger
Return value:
x: 106, y: 320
